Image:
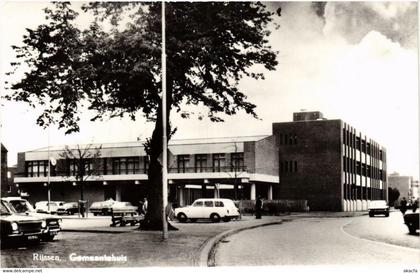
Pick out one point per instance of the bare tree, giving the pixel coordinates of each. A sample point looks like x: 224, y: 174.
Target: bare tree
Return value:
x: 82, y: 163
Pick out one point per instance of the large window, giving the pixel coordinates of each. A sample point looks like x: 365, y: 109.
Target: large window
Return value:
x: 182, y: 162
x: 218, y: 162
x: 74, y: 167
x: 200, y: 163
x: 237, y: 162
x: 145, y: 164
x: 37, y: 168
x: 125, y: 165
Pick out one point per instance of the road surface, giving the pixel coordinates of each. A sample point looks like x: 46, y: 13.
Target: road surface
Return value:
x: 322, y: 241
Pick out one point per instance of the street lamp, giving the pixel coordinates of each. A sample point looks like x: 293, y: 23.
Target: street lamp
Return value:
x: 164, y: 137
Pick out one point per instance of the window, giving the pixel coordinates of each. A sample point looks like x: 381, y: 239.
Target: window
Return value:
x: 288, y: 167
x: 74, y: 167
x: 237, y: 162
x: 218, y: 204
x: 182, y: 162
x: 358, y: 167
x: 198, y: 204
x: 208, y: 204
x: 358, y: 143
x: 200, y: 163
x: 218, y: 162
x: 288, y: 139
x: 125, y: 165
x: 37, y: 168
x: 145, y: 164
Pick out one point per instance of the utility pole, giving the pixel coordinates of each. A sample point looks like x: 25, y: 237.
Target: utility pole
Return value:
x: 164, y: 136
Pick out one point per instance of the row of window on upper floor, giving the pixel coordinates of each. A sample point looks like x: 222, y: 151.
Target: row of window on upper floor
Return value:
x: 361, y: 144
x: 288, y: 139
x: 356, y: 167
x: 288, y: 166
x: 132, y: 165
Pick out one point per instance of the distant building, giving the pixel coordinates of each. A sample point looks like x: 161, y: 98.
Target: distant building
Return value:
x: 329, y: 163
x: 405, y: 184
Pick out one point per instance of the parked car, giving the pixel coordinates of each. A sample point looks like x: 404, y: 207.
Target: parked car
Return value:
x: 102, y: 207
x: 124, y: 206
x: 412, y: 222
x: 42, y: 207
x: 378, y: 207
x: 19, y: 228
x: 71, y: 208
x: 60, y: 207
x: 208, y: 208
x: 21, y: 206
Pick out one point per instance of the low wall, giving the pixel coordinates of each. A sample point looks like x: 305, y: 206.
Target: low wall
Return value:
x: 273, y: 207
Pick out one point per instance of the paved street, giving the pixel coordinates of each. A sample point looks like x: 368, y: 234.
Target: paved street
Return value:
x: 322, y: 241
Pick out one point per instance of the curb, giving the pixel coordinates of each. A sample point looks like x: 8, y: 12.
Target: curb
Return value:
x: 208, y: 248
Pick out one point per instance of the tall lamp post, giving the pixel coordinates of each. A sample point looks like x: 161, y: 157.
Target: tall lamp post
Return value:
x: 164, y: 136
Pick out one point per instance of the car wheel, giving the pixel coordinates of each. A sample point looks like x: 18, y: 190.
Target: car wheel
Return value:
x: 182, y: 217
x: 387, y: 214
x: 95, y: 214
x: 370, y: 214
x: 226, y: 219
x: 49, y: 238
x: 215, y: 218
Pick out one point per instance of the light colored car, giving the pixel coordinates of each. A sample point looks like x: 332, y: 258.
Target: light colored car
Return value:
x: 42, y: 207
x: 208, y: 208
x: 102, y: 207
x: 378, y: 207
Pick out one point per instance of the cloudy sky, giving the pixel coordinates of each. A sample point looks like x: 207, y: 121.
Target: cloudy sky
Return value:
x: 355, y: 61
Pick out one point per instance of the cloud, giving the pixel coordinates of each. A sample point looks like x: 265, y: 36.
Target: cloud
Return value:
x: 353, y: 20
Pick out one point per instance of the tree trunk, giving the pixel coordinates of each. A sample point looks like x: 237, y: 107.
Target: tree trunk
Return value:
x: 153, y: 218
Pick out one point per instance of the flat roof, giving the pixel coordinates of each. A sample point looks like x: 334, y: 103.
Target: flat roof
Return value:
x: 174, y: 142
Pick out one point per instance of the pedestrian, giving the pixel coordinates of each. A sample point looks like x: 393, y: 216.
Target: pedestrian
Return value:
x: 403, y: 205
x: 258, y: 207
x: 415, y: 205
x: 145, y: 205
x: 82, y: 208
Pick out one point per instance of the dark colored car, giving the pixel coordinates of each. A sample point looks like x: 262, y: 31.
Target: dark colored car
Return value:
x: 23, y: 207
x: 19, y: 228
x: 71, y: 208
x: 412, y: 222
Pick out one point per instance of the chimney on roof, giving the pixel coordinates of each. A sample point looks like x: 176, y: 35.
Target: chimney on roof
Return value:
x: 305, y: 116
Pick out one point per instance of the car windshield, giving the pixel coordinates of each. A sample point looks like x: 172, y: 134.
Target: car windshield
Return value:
x: 21, y: 206
x: 4, y: 210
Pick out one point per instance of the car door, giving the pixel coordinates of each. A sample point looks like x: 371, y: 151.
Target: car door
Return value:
x: 208, y: 209
x: 195, y: 211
